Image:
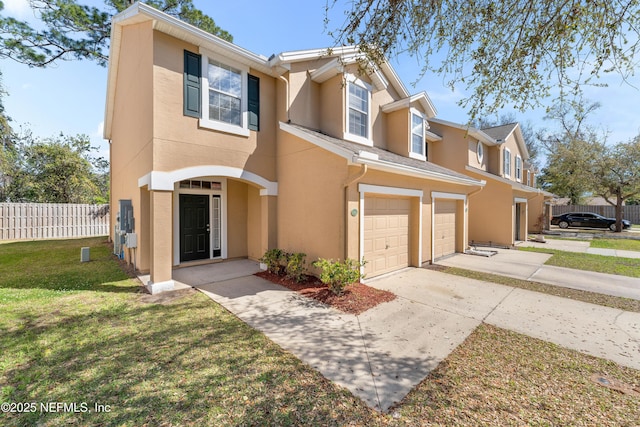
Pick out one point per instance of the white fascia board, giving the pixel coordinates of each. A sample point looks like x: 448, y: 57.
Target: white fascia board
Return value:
x: 310, y: 54
x: 514, y: 184
x: 520, y: 141
x: 391, y: 191
x: 432, y: 137
x: 415, y: 172
x: 332, y: 148
x: 421, y: 98
x: 327, y: 71
x: 476, y: 133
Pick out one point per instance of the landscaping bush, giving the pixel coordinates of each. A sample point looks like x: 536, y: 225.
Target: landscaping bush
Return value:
x: 338, y: 274
x: 296, y: 268
x: 275, y: 260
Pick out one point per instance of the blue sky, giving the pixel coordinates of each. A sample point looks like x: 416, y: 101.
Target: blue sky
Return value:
x: 48, y: 100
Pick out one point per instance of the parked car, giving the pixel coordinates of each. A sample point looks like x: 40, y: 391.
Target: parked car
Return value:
x: 587, y: 219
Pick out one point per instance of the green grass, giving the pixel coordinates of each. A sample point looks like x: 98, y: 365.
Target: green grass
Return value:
x: 580, y: 261
x: 85, y: 334
x: 619, y: 244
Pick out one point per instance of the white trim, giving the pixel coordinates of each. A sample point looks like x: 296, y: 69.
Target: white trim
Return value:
x: 223, y: 210
x: 421, y: 115
x: 205, y: 121
x: 316, y: 140
x: 164, y: 181
x: 506, y: 154
x: 390, y: 191
x: 368, y: 140
x: 417, y: 156
x: 448, y: 196
x: 519, y: 200
x: 421, y: 98
x: 454, y: 196
x: 157, y: 287
x: 476, y: 133
x: 518, y: 168
x: 361, y: 229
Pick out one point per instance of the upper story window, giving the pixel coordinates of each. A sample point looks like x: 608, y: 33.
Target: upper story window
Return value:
x: 358, y: 107
x: 529, y: 178
x: 518, y: 168
x: 418, y: 145
x: 225, y: 93
x: 222, y: 94
x: 507, y: 163
x: 480, y: 151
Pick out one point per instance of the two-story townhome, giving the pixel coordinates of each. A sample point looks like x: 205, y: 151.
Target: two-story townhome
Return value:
x: 509, y: 206
x: 221, y: 153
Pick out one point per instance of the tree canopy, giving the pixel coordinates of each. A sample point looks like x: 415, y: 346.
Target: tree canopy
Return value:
x: 62, y: 169
x: 507, y: 52
x: 75, y: 31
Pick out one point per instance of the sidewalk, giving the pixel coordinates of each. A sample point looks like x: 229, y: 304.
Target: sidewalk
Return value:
x: 530, y: 266
x: 580, y: 246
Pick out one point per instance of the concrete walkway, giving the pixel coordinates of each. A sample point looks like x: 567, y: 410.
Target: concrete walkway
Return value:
x: 582, y: 247
x: 383, y: 353
x: 530, y: 266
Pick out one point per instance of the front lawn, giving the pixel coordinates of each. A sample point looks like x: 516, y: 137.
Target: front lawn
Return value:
x: 619, y: 244
x: 599, y: 263
x: 80, y: 337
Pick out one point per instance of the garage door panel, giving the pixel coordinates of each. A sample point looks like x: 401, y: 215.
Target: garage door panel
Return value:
x: 386, y: 234
x: 445, y: 228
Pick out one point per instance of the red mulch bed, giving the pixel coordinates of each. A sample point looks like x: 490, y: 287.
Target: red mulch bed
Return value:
x: 356, y: 299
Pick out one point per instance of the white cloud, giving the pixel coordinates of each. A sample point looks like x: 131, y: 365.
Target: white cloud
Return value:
x: 99, y: 131
x: 17, y: 8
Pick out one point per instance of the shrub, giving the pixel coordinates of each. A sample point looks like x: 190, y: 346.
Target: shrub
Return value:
x: 296, y: 268
x: 275, y: 260
x: 338, y: 274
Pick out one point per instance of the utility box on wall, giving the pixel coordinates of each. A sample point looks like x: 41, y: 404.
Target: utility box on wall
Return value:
x: 127, y: 222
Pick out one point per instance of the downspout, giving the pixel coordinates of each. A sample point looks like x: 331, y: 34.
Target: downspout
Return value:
x: 287, y: 100
x: 351, y: 180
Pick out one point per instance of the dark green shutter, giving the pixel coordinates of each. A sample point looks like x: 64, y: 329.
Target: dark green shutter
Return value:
x: 192, y: 96
x: 254, y: 102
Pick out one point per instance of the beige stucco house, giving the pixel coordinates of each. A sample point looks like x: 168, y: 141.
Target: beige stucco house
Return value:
x: 220, y: 153
x: 509, y: 206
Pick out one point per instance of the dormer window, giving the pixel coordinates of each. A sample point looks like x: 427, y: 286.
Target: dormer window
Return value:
x: 418, y: 148
x: 358, y: 116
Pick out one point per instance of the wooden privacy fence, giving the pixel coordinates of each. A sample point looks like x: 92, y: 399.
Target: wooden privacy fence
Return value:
x: 52, y: 220
x: 632, y: 212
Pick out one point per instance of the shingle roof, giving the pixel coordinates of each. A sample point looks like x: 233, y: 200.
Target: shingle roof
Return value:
x: 500, y: 133
x: 386, y: 156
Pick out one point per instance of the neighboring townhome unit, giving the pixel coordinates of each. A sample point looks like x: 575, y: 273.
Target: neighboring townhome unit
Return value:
x: 509, y: 206
x: 219, y: 153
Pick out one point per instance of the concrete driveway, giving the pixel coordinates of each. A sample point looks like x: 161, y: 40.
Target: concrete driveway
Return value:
x: 383, y: 353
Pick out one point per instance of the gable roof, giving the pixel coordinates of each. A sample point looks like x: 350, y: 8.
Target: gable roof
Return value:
x: 502, y: 132
x: 381, y: 74
x: 478, y: 134
x: 378, y: 158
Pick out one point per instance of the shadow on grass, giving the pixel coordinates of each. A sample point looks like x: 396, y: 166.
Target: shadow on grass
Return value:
x: 188, y: 362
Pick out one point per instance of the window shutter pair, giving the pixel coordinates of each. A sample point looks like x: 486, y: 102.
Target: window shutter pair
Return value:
x: 193, y: 91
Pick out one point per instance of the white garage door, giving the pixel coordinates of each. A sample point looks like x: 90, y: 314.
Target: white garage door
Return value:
x: 386, y: 234
x: 445, y: 228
